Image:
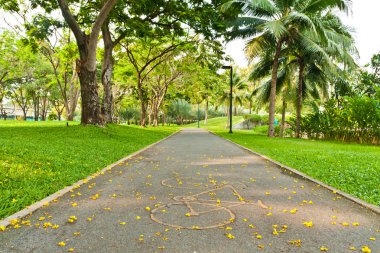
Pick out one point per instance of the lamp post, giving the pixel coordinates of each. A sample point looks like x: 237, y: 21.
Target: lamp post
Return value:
x: 230, y: 68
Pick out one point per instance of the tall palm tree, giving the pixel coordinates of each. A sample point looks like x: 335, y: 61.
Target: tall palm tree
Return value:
x: 276, y: 23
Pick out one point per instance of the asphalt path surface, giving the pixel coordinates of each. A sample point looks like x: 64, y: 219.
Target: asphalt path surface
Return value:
x: 196, y: 192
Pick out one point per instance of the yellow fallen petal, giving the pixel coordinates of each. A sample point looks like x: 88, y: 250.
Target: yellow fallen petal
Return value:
x: 138, y: 218
x: 355, y: 224
x: 365, y: 249
x: 62, y: 244
x: 2, y: 228
x: 323, y: 248
x: 372, y: 239
x: 308, y: 224
x: 147, y: 208
x: 187, y: 214
x: 122, y: 223
x: 259, y: 237
x: 71, y: 250
x: 230, y: 236
x: 352, y: 248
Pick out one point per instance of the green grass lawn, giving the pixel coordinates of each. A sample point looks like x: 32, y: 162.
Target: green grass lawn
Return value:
x: 352, y: 168
x: 216, y: 123
x: 40, y: 158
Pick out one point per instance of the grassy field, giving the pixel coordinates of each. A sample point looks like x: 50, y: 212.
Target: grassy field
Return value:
x: 352, y: 168
x: 40, y: 158
x: 217, y: 123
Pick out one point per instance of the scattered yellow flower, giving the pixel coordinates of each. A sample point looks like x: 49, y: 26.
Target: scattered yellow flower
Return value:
x: 228, y: 228
x: 293, y: 211
x: 308, y: 224
x: 355, y: 224
x: 122, y: 223
x: 138, y: 218
x: 74, y: 204
x: 187, y: 214
x: 55, y: 226
x: 195, y: 227
x: 323, y: 248
x: 41, y: 218
x: 62, y: 244
x: 352, y: 248
x: 365, y: 249
x: 147, y: 208
x: 372, y: 239
x: 89, y: 219
x: 76, y: 233
x: 47, y: 224
x: 345, y: 224
x: 267, y: 193
x: 259, y: 236
x: 71, y: 250
x: 230, y: 236
x: 260, y: 246
x: 107, y: 208
x: 269, y: 214
x: 310, y: 202
x: 2, y: 228
x: 275, y: 232
x: 296, y: 242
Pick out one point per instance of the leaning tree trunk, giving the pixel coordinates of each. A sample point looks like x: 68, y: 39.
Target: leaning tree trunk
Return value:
x: 272, y: 98
x: 299, y: 99
x: 107, y: 70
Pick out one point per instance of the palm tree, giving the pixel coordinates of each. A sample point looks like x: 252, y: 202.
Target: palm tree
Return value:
x: 275, y: 24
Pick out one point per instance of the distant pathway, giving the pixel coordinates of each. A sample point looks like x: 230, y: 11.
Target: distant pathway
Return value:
x: 196, y: 192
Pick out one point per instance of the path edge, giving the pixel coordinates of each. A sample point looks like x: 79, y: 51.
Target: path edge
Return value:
x: 350, y: 197
x: 37, y: 205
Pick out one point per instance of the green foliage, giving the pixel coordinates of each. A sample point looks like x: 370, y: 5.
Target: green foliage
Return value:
x: 53, y: 116
x: 253, y: 118
x: 352, y: 168
x: 40, y: 158
x: 180, y: 111
x: 354, y: 119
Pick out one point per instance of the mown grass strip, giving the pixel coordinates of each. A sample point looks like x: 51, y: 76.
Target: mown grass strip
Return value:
x: 352, y: 168
x: 38, y: 159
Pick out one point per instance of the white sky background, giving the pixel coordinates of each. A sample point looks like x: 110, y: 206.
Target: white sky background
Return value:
x: 365, y: 19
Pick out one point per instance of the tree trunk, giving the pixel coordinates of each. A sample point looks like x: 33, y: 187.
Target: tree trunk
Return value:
x: 87, y: 46
x: 90, y: 97
x: 272, y: 98
x: 206, y: 112
x: 107, y: 70
x: 24, y: 111
x: 283, y: 115
x: 36, y: 104
x: 299, y: 98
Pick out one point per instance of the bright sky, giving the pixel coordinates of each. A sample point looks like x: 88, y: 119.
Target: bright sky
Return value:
x: 365, y: 19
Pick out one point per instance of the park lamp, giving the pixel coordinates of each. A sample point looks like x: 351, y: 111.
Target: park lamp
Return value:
x: 231, y: 69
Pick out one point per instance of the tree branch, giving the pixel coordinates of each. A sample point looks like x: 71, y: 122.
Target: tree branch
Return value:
x: 70, y: 20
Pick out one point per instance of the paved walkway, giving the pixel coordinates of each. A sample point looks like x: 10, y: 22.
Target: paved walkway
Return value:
x: 196, y: 192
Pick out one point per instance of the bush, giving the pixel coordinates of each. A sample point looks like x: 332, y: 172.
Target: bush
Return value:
x: 354, y: 119
x: 52, y: 116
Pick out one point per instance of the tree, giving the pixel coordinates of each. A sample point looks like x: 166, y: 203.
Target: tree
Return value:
x: 276, y: 24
